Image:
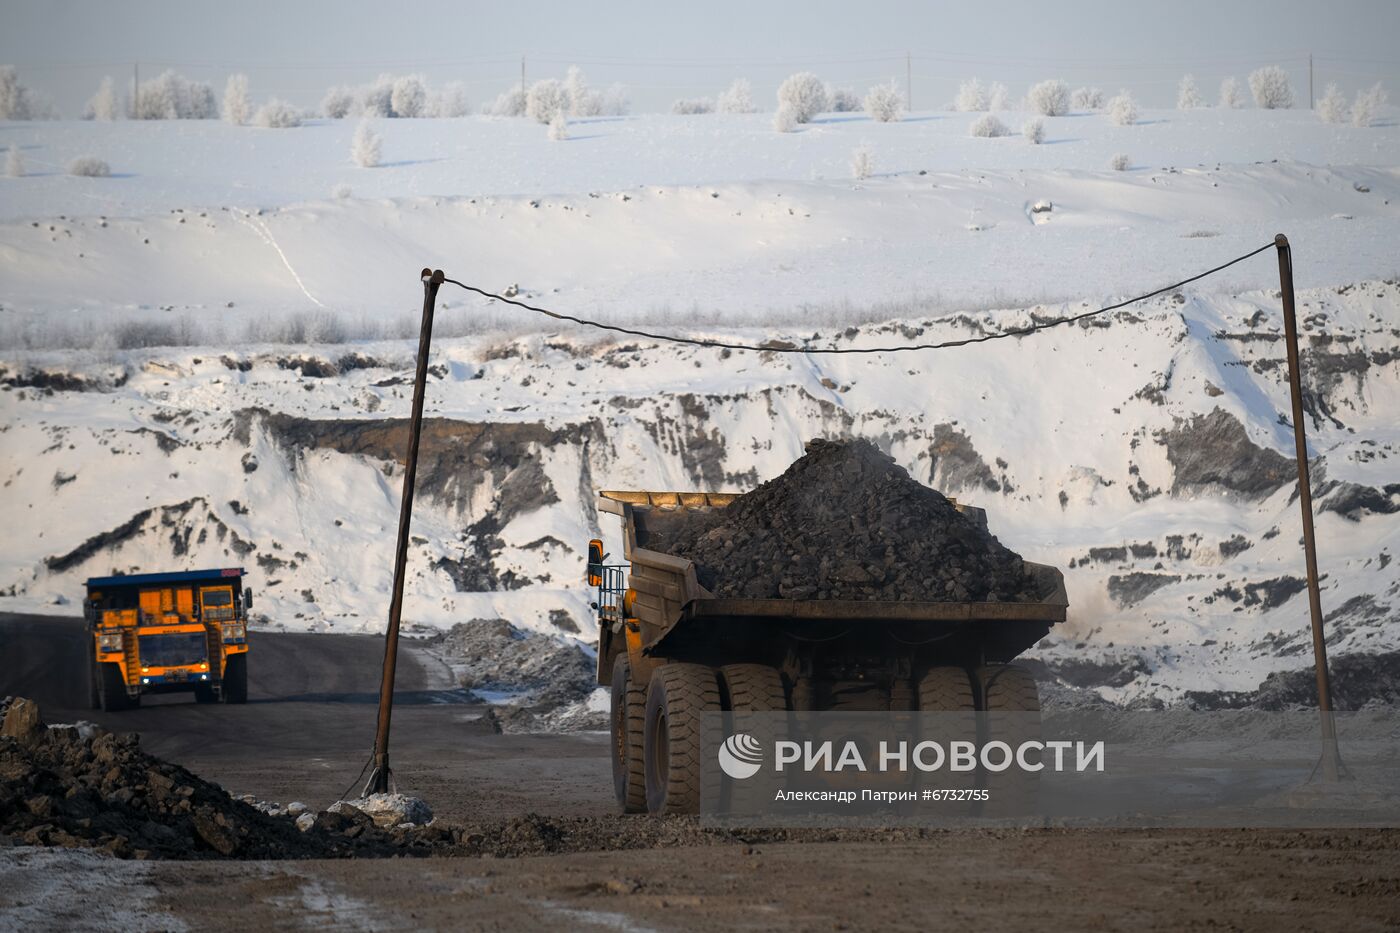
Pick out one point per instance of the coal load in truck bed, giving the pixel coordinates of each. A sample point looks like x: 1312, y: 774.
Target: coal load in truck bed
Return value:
x: 844, y: 522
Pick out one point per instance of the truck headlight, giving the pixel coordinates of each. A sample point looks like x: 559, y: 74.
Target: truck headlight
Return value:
x: 235, y: 631
x: 111, y: 642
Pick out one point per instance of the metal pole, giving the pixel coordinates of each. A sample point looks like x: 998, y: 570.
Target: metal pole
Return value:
x: 1310, y: 82
x: 522, y: 74
x: 135, y: 89
x: 1331, y: 758
x: 379, y: 777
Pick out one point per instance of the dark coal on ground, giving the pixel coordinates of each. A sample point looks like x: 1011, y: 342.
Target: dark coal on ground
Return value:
x: 843, y: 522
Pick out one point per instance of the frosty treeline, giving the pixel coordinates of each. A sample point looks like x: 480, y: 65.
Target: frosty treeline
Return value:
x: 404, y: 96
x: 571, y: 97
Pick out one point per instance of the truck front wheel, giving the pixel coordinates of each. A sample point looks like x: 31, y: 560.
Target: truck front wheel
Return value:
x: 113, y: 689
x: 629, y: 708
x: 236, y: 679
x: 678, y: 700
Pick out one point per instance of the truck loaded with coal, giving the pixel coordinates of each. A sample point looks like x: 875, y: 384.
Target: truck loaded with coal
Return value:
x: 843, y: 584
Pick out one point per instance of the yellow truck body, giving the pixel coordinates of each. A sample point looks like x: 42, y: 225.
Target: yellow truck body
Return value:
x: 185, y: 631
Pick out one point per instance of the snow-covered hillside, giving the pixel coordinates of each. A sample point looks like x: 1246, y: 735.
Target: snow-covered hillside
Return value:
x: 1146, y: 452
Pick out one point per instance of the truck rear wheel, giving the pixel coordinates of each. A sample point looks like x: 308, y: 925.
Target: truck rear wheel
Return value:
x: 236, y: 679
x: 946, y: 690
x: 629, y: 710
x: 1012, y: 702
x: 677, y: 701
x: 113, y: 690
x: 946, y: 697
x: 753, y: 688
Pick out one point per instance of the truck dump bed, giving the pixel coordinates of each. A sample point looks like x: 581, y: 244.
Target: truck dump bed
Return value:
x: 668, y: 593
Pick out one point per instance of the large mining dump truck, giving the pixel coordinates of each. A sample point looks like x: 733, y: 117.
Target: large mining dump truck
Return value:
x: 185, y: 631
x: 671, y: 650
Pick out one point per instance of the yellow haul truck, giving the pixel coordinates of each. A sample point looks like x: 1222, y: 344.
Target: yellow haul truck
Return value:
x: 672, y: 651
x: 167, y: 633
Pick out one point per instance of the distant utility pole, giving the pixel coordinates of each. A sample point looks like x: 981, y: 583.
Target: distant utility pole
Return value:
x: 1310, y: 82
x: 909, y: 78
x: 135, y: 87
x: 522, y: 74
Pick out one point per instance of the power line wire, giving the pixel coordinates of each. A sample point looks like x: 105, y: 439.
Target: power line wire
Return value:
x: 898, y: 348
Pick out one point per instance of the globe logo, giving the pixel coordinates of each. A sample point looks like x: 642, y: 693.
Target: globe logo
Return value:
x: 740, y: 756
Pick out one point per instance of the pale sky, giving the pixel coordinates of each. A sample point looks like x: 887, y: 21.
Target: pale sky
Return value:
x: 662, y: 51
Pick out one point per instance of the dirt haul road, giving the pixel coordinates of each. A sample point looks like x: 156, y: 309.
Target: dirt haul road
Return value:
x: 307, y: 727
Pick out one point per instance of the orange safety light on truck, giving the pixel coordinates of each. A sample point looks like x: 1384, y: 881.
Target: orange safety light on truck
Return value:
x: 167, y: 633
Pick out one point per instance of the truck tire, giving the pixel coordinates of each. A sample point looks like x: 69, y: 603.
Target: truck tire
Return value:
x: 946, y: 694
x: 629, y: 710
x: 678, y: 700
x: 113, y: 690
x: 1007, y: 688
x: 1012, y: 703
x: 236, y: 679
x: 753, y: 688
x: 946, y: 690
x: 94, y: 688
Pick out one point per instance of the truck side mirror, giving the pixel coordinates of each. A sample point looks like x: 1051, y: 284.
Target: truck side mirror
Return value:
x: 595, y: 563
x: 247, y: 599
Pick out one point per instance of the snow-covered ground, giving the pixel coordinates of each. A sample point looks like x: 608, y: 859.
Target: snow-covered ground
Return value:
x: 157, y: 415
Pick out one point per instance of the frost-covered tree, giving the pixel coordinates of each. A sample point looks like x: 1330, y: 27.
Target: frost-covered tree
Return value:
x: 103, y: 105
x: 1120, y: 162
x: 409, y: 97
x: 15, y: 100
x: 338, y: 103
x: 883, y: 103
x: 1270, y: 88
x: 988, y: 126
x: 785, y: 119
x: 237, y: 107
x: 171, y: 96
x: 690, y: 106
x: 842, y: 100
x: 559, y: 126
x: 1363, y: 111
x: 737, y: 98
x: 89, y: 167
x: 575, y: 88
x: 972, y: 97
x: 277, y: 115
x: 449, y: 101
x: 615, y: 101
x: 1230, y: 98
x: 1122, y: 109
x: 377, y: 98
x: 365, y: 145
x: 1188, y: 96
x: 862, y: 163
x: 997, y: 96
x: 1049, y: 98
x: 14, y: 162
x: 1034, y: 131
x: 1332, y: 108
x: 1087, y: 98
x: 804, y: 96
x: 546, y: 99
x: 510, y: 103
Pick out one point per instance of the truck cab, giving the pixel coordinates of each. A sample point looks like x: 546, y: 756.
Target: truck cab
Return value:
x: 185, y: 631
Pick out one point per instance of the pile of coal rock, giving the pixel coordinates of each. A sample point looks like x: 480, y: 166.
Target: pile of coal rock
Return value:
x: 81, y: 786
x: 844, y: 522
